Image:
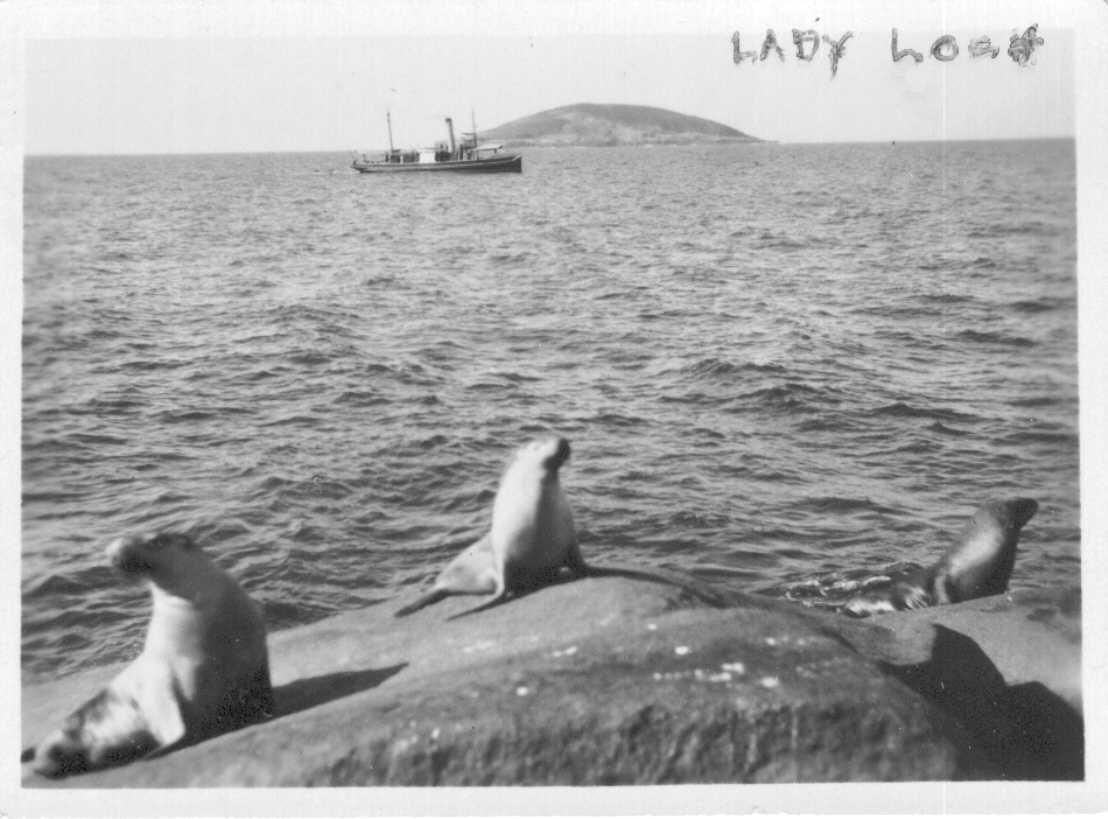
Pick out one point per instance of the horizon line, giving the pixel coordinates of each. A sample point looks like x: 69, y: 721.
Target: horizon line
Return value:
x: 751, y: 141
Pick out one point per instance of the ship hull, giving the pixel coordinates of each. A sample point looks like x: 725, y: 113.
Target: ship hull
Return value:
x: 510, y: 163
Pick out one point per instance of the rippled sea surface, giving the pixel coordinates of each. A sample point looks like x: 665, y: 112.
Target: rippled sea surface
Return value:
x: 780, y: 366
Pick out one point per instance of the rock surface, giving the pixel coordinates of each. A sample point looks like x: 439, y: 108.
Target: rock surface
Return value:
x: 1008, y: 668
x: 614, y: 680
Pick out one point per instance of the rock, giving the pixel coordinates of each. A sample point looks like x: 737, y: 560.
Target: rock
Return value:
x: 605, y: 681
x: 1007, y: 667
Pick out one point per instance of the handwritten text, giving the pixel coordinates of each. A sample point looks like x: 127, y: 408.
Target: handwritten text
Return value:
x: 1021, y: 47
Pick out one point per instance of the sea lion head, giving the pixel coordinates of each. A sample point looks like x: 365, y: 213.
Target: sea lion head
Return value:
x: 545, y: 454
x: 150, y: 555
x: 1004, y: 517
x: 1011, y: 514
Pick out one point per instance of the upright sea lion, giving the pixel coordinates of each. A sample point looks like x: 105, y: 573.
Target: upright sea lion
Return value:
x: 531, y: 537
x: 979, y: 564
x: 203, y: 670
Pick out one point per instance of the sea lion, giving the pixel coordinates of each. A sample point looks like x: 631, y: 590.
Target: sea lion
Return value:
x: 979, y: 564
x: 203, y: 670
x: 531, y: 538
x: 532, y: 541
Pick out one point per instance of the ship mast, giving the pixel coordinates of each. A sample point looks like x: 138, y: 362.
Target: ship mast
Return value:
x: 388, y: 119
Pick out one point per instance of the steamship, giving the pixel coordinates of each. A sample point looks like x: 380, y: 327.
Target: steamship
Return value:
x: 456, y: 155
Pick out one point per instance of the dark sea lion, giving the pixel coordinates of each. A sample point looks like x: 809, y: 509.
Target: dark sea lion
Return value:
x: 203, y: 670
x: 979, y: 564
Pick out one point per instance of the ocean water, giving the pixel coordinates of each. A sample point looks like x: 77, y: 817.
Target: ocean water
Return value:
x: 782, y: 367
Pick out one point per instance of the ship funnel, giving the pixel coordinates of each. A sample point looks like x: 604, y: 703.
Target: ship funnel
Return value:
x: 450, y: 126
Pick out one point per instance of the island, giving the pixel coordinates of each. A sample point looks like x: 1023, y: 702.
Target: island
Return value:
x: 598, y: 125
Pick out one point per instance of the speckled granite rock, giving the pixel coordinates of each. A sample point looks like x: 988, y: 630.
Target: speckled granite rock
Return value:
x: 1008, y: 668
x: 605, y: 681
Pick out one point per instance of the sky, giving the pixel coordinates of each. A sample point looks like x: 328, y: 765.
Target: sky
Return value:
x: 213, y: 92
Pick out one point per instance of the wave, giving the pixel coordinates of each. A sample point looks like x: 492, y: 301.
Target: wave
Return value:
x: 311, y: 358
x: 154, y: 364
x: 837, y: 504
x: 614, y: 419
x: 1024, y: 437
x: 292, y: 420
x: 184, y: 416
x: 943, y: 429
x: 885, y: 310
x: 361, y: 398
x: 946, y: 298
x: 773, y: 241
x: 1040, y: 305
x: 263, y: 374
x: 900, y: 409
x: 837, y: 423
x: 510, y: 258
x: 979, y: 337
x: 1034, y: 401
x: 694, y: 520
x: 790, y: 397
x: 716, y: 368
x: 1034, y: 228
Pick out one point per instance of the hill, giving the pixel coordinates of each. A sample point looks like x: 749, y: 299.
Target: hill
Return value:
x: 595, y: 124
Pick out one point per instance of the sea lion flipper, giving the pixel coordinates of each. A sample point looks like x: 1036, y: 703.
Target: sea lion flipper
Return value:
x: 162, y: 750
x: 108, y: 729
x: 495, y: 600
x: 500, y: 590
x: 575, y: 561
x: 246, y: 702
x: 154, y: 687
x: 256, y: 702
x: 433, y: 596
x: 471, y: 572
